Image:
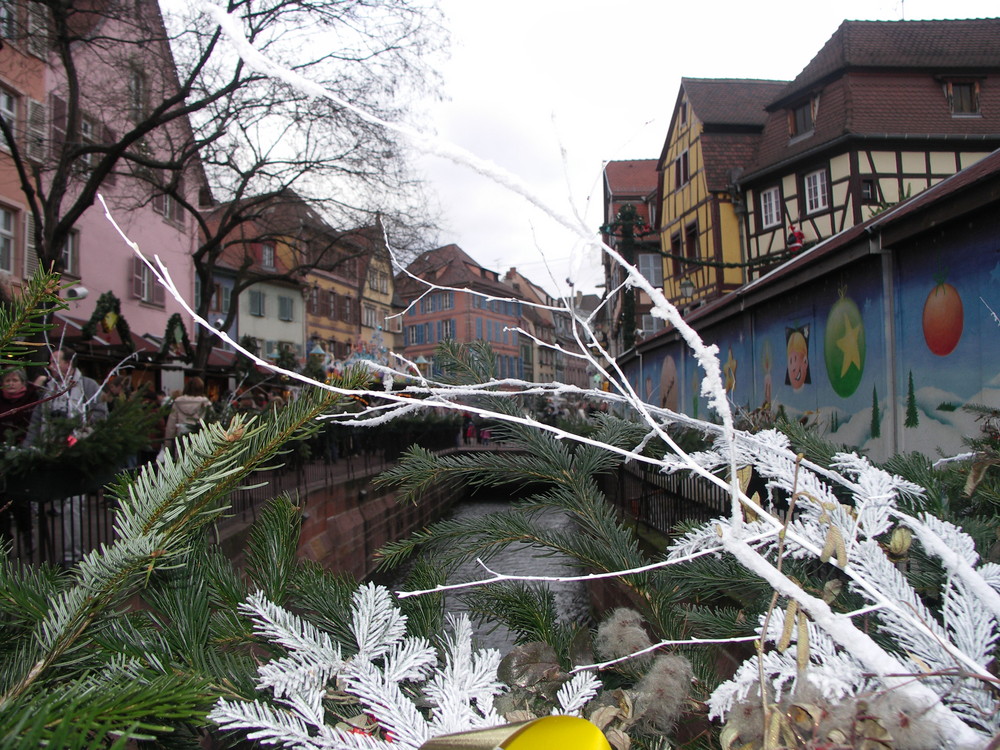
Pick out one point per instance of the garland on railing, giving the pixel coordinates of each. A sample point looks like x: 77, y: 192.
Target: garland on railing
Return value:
x: 176, y: 333
x: 108, y: 313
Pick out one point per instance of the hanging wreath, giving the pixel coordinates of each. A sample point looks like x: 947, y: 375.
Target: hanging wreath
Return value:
x: 108, y: 314
x: 175, y: 339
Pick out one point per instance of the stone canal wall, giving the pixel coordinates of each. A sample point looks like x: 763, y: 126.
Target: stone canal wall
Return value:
x: 345, y: 524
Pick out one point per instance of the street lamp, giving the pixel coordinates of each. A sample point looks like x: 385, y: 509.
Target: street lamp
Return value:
x: 687, y: 288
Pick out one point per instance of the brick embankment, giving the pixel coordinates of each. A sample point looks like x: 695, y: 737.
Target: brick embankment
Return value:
x: 346, y: 519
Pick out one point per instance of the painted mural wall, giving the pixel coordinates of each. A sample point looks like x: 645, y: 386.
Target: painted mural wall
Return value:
x: 886, y: 378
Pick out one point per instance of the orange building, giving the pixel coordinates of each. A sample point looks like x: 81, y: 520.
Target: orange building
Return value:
x: 461, y: 301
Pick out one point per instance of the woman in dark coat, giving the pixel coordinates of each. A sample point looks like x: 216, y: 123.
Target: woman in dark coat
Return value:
x: 17, y: 400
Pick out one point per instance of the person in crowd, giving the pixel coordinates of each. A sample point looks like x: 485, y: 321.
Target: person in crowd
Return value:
x: 72, y: 395
x: 115, y: 391
x: 187, y: 411
x: 17, y: 400
x: 151, y: 400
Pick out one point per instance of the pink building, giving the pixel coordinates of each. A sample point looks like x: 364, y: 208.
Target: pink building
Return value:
x: 79, y: 133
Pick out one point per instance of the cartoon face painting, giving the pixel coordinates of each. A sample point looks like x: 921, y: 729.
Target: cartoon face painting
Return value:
x: 797, y: 349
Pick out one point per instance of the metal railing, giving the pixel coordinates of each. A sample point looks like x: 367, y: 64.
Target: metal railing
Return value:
x: 662, y: 501
x: 61, y: 531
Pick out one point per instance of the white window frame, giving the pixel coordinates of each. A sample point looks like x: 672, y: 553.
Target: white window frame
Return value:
x: 770, y: 208
x: 70, y: 257
x: 816, y: 192
x: 137, y: 93
x: 144, y: 285
x: 448, y: 329
x: 370, y: 316
x: 650, y: 265
x: 652, y: 324
x: 8, y: 109
x: 8, y: 226
x: 87, y: 138
x: 267, y: 255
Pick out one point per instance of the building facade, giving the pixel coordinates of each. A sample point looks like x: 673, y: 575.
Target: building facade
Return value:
x: 714, y: 130
x: 630, y: 213
x: 884, y: 111
x: 472, y: 304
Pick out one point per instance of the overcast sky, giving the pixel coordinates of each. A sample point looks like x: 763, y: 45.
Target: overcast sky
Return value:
x: 552, y: 89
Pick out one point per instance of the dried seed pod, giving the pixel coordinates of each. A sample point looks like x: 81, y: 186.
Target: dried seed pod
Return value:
x: 786, y: 634
x: 802, y: 645
x: 900, y: 541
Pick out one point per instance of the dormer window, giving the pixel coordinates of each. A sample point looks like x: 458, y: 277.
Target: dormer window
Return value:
x: 801, y: 118
x: 267, y: 256
x: 963, y: 98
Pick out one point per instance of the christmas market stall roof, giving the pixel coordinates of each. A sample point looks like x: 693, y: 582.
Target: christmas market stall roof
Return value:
x: 101, y: 344
x: 109, y: 347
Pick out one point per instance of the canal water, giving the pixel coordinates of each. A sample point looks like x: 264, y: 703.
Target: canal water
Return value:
x: 571, y: 598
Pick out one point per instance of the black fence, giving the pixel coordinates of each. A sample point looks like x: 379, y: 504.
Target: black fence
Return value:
x: 662, y: 501
x: 61, y: 530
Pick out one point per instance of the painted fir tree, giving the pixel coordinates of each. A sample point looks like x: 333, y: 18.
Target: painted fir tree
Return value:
x: 876, y: 428
x: 912, y: 416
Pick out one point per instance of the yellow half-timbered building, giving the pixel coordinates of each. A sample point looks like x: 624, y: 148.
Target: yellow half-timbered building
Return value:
x: 713, y: 133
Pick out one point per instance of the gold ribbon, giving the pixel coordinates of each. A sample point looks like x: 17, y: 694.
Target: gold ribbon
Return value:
x: 547, y: 733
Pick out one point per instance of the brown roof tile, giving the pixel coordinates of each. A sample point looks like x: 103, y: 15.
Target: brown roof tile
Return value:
x: 945, y: 45
x: 451, y: 266
x: 731, y: 101
x: 724, y: 152
x: 636, y: 177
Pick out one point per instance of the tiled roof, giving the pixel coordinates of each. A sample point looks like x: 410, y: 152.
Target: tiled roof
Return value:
x: 724, y: 152
x: 451, y: 266
x: 938, y: 45
x: 892, y: 104
x: 731, y: 101
x: 636, y: 177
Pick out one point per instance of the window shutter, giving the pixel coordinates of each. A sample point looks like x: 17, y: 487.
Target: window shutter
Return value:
x: 36, y: 131
x: 137, y: 269
x: 160, y: 203
x: 159, y: 293
x: 38, y: 29
x: 177, y: 210
x: 57, y: 107
x: 30, y: 245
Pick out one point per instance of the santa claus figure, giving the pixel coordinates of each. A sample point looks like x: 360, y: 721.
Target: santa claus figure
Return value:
x: 795, y: 237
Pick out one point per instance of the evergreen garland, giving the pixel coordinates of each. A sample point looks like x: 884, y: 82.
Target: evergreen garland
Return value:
x: 175, y: 325
x: 109, y: 305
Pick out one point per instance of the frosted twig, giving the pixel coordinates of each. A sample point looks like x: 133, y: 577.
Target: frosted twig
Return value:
x: 500, y: 577
x: 664, y: 644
